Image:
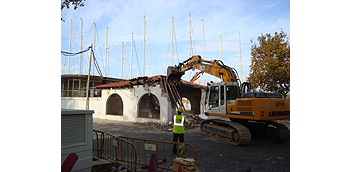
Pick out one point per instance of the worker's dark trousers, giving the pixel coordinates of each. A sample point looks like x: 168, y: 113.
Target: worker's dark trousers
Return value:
x: 175, y: 139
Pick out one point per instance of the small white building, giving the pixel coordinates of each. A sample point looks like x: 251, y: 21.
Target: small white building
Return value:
x: 143, y: 99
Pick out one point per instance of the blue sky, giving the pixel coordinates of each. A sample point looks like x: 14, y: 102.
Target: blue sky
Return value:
x: 221, y: 18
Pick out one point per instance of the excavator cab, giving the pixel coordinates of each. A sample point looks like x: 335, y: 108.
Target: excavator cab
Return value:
x: 220, y: 94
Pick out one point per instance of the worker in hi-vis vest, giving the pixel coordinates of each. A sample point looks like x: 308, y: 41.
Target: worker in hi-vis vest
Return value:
x: 178, y: 128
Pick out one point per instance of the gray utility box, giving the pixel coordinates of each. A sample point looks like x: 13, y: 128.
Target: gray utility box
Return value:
x: 76, y: 137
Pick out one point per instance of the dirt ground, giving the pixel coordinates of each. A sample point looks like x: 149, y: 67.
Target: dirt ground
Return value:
x: 212, y: 155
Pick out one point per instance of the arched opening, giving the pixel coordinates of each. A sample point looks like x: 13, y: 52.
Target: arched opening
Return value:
x: 114, y: 105
x: 149, y: 107
x: 186, y: 104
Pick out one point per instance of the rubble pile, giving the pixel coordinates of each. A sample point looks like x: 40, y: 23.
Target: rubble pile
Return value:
x: 191, y: 121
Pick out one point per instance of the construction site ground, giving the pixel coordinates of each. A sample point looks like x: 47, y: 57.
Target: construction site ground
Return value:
x: 211, y: 154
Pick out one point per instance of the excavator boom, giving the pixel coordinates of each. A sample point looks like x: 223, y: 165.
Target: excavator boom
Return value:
x: 215, y: 68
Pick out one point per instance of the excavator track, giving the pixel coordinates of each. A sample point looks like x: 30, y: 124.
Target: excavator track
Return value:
x: 282, y: 132
x: 231, y: 132
x: 268, y: 130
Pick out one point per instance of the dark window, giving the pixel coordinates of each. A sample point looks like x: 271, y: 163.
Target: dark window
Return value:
x: 214, y: 97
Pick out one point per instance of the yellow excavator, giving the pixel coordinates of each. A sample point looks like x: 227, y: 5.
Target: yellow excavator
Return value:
x: 250, y: 113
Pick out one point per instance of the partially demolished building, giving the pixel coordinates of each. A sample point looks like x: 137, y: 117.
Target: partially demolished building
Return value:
x: 142, y: 99
x: 148, y: 99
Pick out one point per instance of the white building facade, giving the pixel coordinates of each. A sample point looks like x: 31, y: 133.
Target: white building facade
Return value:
x: 142, y: 99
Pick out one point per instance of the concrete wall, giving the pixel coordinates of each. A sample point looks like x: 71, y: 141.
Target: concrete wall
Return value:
x: 130, y: 98
x: 95, y: 103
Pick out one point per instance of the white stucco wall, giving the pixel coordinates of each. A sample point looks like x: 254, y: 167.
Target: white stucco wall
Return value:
x: 130, y: 98
x: 95, y: 103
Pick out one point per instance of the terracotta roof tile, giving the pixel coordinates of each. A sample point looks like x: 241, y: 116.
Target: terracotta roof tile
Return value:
x: 141, y: 80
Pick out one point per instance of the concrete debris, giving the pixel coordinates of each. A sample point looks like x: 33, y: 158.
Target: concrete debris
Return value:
x: 190, y: 123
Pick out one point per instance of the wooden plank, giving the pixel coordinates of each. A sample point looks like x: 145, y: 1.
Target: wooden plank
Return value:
x: 188, y: 162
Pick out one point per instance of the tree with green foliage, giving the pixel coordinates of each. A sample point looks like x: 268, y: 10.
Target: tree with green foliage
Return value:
x: 270, y: 67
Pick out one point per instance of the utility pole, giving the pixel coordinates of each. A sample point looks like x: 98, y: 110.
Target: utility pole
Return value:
x: 106, y: 53
x: 69, y: 47
x: 87, y: 88
x: 121, y: 60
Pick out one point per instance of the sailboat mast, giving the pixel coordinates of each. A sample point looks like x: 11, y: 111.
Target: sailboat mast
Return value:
x: 80, y: 56
x: 190, y: 35
x: 121, y: 60
x: 172, y: 41
x: 94, y: 44
x: 69, y: 47
x: 106, y: 53
x: 131, y: 51
x: 203, y: 38
x: 144, y: 46
x: 233, y: 59
x: 240, y: 63
x: 203, y: 46
x: 220, y: 48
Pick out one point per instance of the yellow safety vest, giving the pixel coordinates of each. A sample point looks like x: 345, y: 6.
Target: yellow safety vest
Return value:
x: 178, y: 124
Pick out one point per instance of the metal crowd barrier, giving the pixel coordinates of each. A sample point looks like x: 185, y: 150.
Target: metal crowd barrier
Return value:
x: 162, y: 150
x: 116, y: 149
x: 130, y: 152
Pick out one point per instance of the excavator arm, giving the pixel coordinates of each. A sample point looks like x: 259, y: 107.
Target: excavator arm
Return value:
x: 216, y: 68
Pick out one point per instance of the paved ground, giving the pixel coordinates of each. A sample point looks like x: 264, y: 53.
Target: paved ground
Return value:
x: 213, y: 155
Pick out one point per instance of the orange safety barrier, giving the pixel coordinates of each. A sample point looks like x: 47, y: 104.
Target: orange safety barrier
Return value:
x: 162, y: 149
x: 130, y: 152
x: 116, y: 149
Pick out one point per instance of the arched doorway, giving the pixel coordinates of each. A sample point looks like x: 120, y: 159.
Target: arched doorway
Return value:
x: 114, y: 105
x: 149, y: 107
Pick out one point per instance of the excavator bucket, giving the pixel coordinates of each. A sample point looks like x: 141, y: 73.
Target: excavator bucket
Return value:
x: 173, y: 75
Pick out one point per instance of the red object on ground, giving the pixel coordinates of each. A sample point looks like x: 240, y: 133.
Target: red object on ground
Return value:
x: 179, y: 168
x: 69, y: 162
